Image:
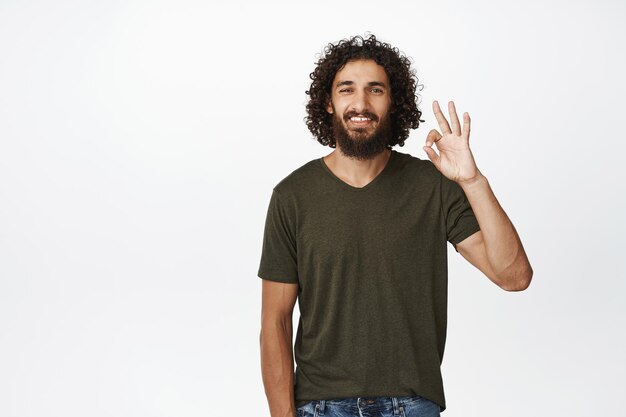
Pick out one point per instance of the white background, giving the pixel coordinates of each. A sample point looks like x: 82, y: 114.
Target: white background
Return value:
x: 140, y: 141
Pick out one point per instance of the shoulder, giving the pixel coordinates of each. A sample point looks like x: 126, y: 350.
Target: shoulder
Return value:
x: 298, y: 180
x: 414, y: 166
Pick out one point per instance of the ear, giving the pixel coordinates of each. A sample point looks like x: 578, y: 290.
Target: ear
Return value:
x: 329, y: 107
x: 329, y: 104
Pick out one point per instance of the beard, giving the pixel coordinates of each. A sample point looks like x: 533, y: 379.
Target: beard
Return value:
x: 356, y: 143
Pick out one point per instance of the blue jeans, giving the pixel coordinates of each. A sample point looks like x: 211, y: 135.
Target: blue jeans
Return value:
x: 370, y: 407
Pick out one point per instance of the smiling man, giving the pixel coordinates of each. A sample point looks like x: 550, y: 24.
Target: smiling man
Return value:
x: 359, y: 239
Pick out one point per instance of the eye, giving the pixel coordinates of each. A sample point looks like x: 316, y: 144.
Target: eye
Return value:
x: 377, y: 90
x: 344, y: 89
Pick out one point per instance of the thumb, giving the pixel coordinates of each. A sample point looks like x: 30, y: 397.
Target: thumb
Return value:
x: 433, y: 136
x: 432, y: 155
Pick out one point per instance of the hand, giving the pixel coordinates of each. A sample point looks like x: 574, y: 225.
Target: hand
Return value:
x: 455, y: 160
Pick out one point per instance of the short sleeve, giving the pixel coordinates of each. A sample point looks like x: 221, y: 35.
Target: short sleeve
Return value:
x: 459, y: 216
x: 278, y: 254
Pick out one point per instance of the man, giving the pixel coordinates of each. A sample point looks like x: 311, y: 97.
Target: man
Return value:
x: 359, y: 238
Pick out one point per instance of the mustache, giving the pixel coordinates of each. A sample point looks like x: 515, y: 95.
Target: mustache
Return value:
x: 367, y: 114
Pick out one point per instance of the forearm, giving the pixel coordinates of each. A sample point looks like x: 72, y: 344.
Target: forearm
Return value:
x: 277, y: 366
x: 503, y: 246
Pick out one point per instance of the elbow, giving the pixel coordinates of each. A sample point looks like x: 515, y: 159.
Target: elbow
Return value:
x: 518, y: 282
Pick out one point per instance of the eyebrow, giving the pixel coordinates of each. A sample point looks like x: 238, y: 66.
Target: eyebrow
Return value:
x: 370, y: 84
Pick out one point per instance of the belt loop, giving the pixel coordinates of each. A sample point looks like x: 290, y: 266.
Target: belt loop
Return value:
x: 321, y: 407
x: 396, y: 408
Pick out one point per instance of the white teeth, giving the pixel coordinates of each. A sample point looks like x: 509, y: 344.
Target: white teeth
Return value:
x: 359, y: 119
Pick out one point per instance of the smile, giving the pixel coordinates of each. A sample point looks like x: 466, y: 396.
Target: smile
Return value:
x: 360, y: 121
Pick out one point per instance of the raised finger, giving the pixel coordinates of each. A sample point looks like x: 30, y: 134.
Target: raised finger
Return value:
x: 454, y: 119
x: 466, y: 124
x: 441, y: 119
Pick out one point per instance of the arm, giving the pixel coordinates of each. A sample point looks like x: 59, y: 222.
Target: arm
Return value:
x: 278, y: 300
x: 496, y: 249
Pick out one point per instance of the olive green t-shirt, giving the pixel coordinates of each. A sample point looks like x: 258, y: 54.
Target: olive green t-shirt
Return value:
x: 371, y: 264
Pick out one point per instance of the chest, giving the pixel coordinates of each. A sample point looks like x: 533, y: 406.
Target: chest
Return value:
x: 392, y: 222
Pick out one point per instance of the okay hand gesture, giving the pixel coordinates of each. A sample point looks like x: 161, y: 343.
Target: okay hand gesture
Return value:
x: 455, y: 160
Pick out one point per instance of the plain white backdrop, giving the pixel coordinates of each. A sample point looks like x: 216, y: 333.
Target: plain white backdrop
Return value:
x: 139, y: 144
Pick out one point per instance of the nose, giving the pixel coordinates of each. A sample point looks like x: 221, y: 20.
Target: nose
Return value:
x: 360, y: 102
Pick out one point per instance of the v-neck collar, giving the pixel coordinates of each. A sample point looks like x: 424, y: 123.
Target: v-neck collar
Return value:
x: 367, y: 186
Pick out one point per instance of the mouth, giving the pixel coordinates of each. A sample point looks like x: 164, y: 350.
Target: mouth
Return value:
x: 360, y: 121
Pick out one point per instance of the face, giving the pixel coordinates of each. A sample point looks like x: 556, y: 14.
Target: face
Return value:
x: 360, y: 104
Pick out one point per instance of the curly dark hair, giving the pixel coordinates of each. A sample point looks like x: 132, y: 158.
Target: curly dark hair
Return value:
x: 404, y: 113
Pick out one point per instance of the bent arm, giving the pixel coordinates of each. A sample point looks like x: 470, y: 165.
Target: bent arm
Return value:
x: 276, y: 346
x: 498, y: 249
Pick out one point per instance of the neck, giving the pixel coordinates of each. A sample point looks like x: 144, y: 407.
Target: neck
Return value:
x: 356, y: 172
